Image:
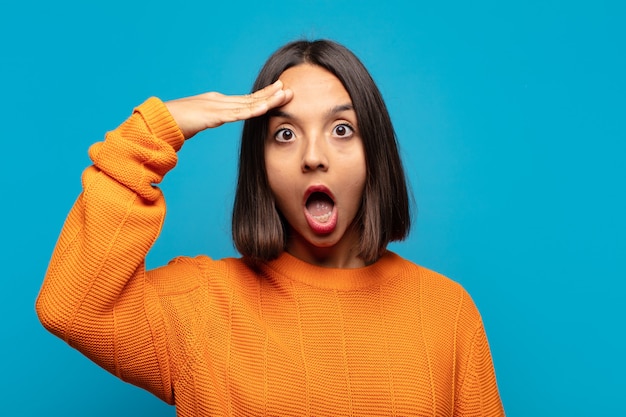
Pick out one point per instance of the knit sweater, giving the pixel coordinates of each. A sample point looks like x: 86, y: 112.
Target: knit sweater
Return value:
x: 231, y: 337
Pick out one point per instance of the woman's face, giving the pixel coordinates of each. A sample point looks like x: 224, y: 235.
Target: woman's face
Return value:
x: 316, y: 167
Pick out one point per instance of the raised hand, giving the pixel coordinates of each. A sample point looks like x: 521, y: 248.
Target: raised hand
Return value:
x: 204, y: 111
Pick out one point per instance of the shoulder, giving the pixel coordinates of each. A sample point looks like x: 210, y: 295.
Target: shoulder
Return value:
x: 428, y: 279
x: 438, y: 292
x: 184, y: 274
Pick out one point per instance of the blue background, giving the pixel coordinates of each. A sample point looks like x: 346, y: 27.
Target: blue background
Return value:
x: 510, y: 118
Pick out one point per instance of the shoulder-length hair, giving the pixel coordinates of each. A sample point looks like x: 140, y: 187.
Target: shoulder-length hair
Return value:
x: 259, y: 230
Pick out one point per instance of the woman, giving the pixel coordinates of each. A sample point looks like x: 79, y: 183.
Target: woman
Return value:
x: 316, y: 317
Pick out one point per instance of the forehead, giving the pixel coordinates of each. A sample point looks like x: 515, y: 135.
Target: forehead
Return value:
x: 313, y: 85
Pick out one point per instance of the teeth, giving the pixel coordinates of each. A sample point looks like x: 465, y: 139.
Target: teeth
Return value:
x: 323, y: 218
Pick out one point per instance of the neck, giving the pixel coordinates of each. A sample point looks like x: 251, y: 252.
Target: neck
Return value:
x: 343, y: 254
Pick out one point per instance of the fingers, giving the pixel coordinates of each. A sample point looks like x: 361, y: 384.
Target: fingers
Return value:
x: 268, y: 91
x: 259, y: 102
x: 268, y: 98
x: 209, y: 110
x: 259, y: 95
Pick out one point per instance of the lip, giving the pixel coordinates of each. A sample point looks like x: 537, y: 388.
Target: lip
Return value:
x: 316, y: 226
x: 319, y: 188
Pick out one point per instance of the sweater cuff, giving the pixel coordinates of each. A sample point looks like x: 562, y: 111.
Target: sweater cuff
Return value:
x: 160, y: 122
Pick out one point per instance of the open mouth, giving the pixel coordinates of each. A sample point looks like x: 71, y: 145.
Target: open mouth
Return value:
x: 320, y: 210
x: 320, y: 206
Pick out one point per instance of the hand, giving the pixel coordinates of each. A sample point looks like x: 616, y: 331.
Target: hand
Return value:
x: 208, y: 110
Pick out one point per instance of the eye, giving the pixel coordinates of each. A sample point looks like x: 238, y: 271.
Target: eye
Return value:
x: 343, y: 130
x: 284, y: 135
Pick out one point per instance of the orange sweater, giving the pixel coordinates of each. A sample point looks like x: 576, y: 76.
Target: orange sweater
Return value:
x: 223, y: 337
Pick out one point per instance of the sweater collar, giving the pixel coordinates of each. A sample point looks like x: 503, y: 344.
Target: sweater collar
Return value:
x: 287, y: 266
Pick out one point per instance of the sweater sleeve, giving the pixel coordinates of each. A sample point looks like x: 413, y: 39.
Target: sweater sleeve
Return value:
x: 478, y: 393
x: 94, y: 295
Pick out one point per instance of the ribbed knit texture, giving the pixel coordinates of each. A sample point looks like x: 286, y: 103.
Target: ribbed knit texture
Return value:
x: 283, y: 338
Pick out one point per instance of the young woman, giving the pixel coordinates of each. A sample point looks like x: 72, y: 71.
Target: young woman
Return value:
x: 317, y: 317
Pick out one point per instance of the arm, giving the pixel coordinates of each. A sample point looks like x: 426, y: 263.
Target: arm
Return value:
x: 95, y: 295
x: 478, y: 394
x: 96, y: 275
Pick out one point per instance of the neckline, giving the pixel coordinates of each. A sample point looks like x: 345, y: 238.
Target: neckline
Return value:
x: 287, y: 266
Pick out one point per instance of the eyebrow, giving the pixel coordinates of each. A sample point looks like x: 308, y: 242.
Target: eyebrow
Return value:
x: 337, y: 109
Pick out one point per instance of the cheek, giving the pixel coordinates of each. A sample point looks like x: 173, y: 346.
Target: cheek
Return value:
x: 359, y: 170
x: 271, y: 168
x: 275, y: 176
x: 278, y: 181
x: 360, y: 183
x: 354, y: 173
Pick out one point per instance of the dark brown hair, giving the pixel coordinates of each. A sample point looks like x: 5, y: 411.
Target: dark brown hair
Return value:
x: 259, y: 231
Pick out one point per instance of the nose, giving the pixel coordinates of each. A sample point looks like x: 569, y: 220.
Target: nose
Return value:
x: 314, y: 154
